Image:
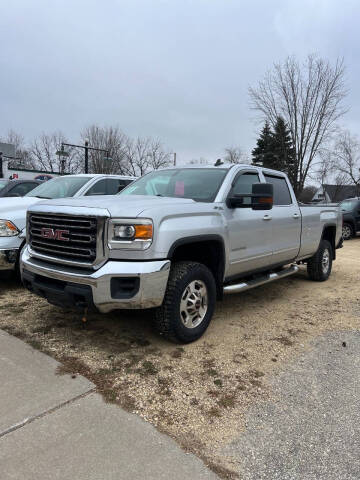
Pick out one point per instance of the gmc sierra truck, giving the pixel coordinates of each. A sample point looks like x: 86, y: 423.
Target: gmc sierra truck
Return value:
x: 175, y: 240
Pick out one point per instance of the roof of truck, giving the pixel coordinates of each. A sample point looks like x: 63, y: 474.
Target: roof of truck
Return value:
x: 226, y: 166
x: 94, y: 175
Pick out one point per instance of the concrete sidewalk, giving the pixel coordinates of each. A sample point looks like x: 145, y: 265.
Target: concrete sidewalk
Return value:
x: 57, y: 427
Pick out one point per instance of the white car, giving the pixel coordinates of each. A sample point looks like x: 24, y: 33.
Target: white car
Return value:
x: 13, y: 210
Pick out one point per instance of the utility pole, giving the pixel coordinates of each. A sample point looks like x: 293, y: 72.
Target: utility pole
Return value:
x: 62, y: 154
x: 1, y: 166
x: 174, y: 159
x: 86, y: 156
x: 86, y: 148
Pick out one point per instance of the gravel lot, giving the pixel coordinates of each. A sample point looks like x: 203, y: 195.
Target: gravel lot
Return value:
x: 199, y: 393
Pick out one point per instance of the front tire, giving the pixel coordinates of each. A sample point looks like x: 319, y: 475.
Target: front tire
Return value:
x: 319, y: 266
x: 189, y: 303
x: 347, y: 231
x: 17, y: 263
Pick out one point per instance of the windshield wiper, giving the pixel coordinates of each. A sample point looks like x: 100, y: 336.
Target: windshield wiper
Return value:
x: 39, y: 196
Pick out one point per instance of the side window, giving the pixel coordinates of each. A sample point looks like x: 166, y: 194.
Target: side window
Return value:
x: 22, y: 189
x: 281, y: 190
x: 125, y: 183
x: 30, y: 186
x: 243, y: 184
x: 115, y: 185
x: 98, y: 189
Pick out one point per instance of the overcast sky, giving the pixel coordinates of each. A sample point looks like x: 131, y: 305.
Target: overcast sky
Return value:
x: 177, y: 70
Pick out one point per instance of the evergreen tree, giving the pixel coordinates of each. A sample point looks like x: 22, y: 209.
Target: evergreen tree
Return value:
x: 263, y: 152
x: 275, y: 149
x: 284, y: 150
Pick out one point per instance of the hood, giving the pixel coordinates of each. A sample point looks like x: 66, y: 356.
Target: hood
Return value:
x: 117, y: 205
x: 14, y: 209
x: 10, y: 204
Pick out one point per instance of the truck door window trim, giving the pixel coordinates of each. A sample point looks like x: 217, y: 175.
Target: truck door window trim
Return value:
x: 280, y: 177
x: 242, y: 172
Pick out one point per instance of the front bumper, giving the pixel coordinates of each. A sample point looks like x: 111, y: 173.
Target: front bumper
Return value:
x: 8, y: 258
x: 116, y: 285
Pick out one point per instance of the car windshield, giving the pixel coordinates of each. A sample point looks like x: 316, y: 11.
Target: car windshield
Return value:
x: 347, y: 206
x: 200, y: 184
x: 3, y: 184
x: 59, y: 187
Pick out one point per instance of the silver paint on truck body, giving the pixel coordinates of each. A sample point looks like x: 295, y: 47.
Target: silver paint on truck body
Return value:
x: 252, y: 239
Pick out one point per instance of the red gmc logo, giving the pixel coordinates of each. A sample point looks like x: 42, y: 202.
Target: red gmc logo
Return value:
x: 52, y: 234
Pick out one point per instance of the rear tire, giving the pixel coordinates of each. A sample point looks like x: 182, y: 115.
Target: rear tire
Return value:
x: 189, y: 303
x: 319, y: 266
x: 348, y: 231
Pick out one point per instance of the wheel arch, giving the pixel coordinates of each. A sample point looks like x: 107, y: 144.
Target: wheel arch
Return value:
x: 329, y: 234
x: 351, y: 222
x: 206, y: 249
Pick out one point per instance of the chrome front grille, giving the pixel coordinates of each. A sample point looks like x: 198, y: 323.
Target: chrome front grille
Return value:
x: 64, y: 237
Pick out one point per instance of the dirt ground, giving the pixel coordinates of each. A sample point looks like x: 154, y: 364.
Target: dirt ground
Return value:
x: 196, y: 393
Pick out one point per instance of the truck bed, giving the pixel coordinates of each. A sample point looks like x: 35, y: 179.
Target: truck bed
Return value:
x: 313, y: 220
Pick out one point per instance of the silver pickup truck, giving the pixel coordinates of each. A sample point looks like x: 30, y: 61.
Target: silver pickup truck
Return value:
x: 176, y: 240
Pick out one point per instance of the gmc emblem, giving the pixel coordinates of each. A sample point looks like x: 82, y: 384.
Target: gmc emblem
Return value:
x: 52, y: 234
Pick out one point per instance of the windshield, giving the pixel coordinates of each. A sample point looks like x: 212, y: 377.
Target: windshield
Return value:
x: 59, y: 187
x: 347, y: 206
x: 3, y: 184
x: 200, y: 184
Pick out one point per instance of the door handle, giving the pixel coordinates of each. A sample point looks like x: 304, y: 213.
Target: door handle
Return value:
x: 296, y: 215
x: 267, y: 217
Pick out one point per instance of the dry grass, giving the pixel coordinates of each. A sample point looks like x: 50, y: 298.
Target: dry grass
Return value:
x: 198, y: 393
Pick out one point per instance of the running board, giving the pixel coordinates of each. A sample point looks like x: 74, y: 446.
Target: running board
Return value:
x: 241, y: 287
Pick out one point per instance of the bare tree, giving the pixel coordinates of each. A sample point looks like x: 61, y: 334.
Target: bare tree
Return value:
x: 136, y: 155
x: 235, y: 155
x: 143, y: 155
x: 199, y: 161
x: 346, y: 158
x: 22, y: 153
x: 326, y: 172
x: 307, y: 194
x: 43, y: 151
x: 324, y: 168
x: 110, y: 139
x: 310, y: 99
x: 158, y: 157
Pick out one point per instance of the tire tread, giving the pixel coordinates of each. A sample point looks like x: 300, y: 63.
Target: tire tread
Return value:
x: 163, y: 320
x: 314, y: 265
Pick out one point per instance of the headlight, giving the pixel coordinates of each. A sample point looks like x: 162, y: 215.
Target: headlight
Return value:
x: 134, y: 234
x: 8, y: 229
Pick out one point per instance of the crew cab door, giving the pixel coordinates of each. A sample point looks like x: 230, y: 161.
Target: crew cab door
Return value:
x: 285, y: 221
x: 249, y: 231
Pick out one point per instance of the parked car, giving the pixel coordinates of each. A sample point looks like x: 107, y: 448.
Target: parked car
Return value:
x: 177, y: 239
x: 13, y: 210
x: 16, y: 188
x: 351, y: 217
x: 43, y: 177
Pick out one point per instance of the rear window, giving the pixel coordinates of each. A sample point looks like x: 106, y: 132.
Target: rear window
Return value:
x: 281, y: 190
x: 348, y: 205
